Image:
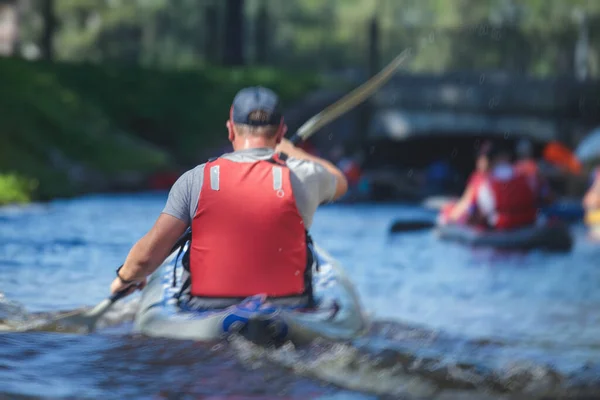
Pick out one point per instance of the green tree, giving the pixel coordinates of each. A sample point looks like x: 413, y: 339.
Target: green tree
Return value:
x: 530, y: 36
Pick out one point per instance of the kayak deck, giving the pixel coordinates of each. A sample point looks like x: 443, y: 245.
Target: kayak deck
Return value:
x: 549, y: 237
x: 338, y: 314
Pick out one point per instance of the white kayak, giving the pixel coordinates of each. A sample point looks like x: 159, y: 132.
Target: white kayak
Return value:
x: 338, y: 314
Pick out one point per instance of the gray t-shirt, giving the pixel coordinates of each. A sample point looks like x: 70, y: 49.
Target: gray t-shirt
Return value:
x: 312, y: 185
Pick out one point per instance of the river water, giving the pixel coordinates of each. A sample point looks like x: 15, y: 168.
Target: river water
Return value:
x: 447, y: 321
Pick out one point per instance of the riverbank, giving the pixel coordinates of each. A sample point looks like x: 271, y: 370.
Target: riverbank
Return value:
x: 68, y: 129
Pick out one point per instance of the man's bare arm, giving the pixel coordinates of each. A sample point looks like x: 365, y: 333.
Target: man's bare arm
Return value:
x: 462, y: 205
x: 153, y: 248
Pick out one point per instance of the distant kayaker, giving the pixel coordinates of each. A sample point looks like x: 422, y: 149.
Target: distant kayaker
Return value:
x: 527, y: 165
x: 504, y: 199
x: 458, y: 212
x: 249, y: 212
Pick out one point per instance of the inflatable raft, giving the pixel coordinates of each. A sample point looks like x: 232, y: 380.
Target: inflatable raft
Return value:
x: 337, y: 316
x: 552, y: 236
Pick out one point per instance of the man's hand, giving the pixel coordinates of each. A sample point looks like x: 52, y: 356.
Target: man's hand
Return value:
x: 286, y: 146
x: 117, y: 285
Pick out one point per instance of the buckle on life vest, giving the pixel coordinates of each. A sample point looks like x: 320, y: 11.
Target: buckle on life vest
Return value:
x: 278, y: 158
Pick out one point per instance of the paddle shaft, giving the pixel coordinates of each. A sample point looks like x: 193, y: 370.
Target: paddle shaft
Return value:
x: 90, y: 318
x: 408, y: 226
x: 119, y: 295
x: 349, y: 101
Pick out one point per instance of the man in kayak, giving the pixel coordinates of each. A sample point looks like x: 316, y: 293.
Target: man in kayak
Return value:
x: 458, y: 212
x: 527, y: 166
x: 504, y: 199
x: 249, y: 212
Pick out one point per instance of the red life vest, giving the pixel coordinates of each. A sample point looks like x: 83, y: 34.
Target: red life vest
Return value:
x: 515, y: 202
x: 530, y: 170
x: 248, y: 237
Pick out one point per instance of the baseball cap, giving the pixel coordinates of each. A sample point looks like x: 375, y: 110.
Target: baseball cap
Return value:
x: 249, y: 100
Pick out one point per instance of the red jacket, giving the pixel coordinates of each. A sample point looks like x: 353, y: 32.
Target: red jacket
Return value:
x: 248, y: 237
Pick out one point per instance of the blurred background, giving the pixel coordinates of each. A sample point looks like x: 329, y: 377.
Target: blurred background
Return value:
x: 111, y: 95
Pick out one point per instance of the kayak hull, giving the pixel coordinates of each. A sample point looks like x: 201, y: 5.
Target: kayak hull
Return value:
x: 549, y: 237
x: 337, y: 316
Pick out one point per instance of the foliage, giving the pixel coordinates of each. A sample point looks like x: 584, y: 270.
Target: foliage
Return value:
x: 182, y: 111
x: 54, y: 134
x: 531, y: 36
x: 76, y: 127
x: 16, y: 189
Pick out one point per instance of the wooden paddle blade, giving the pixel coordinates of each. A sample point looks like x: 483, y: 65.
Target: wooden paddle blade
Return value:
x: 409, y: 226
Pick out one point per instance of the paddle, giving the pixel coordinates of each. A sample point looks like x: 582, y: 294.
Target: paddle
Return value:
x: 90, y: 318
x: 560, y: 155
x: 87, y: 319
x: 349, y: 101
x: 410, y: 226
